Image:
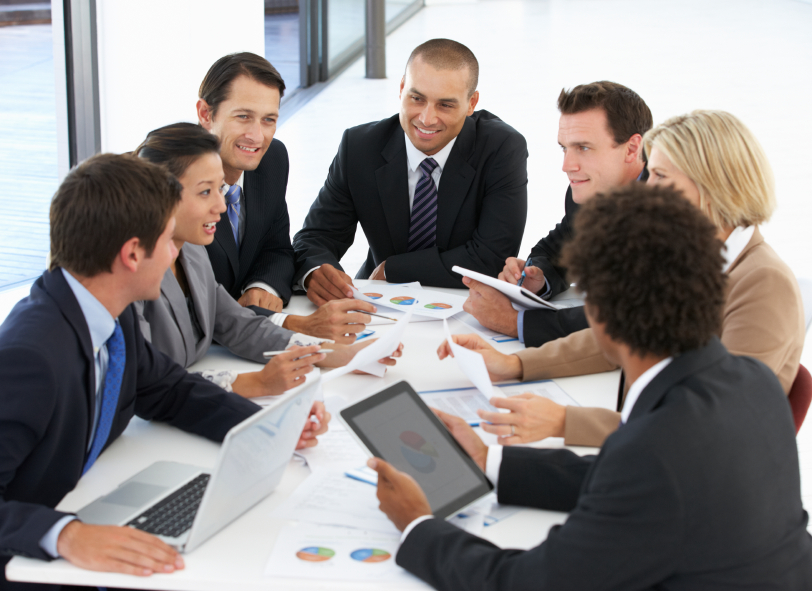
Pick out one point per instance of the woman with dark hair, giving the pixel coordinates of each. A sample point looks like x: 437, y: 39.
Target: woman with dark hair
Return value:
x: 194, y: 309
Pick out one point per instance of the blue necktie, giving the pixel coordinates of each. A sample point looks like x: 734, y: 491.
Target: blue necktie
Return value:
x: 233, y: 204
x: 117, y: 355
x: 423, y: 225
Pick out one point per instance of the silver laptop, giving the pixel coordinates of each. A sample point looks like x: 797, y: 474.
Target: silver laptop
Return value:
x: 184, y: 505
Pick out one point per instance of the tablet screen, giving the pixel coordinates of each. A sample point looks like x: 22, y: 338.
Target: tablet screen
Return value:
x: 396, y: 425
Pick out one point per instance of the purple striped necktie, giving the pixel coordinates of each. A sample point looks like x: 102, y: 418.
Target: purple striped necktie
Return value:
x: 423, y: 224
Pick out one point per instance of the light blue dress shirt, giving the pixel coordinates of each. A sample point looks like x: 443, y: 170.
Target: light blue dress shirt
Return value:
x: 101, y: 325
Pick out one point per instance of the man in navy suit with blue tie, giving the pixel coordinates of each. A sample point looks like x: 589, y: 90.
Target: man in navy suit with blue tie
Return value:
x: 75, y: 368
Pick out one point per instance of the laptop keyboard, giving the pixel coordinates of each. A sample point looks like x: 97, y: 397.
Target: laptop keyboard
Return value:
x: 173, y: 515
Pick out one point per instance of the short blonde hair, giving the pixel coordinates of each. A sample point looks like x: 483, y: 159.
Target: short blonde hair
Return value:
x: 725, y: 161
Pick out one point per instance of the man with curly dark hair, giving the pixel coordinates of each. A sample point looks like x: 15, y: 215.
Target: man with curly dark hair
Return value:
x: 698, y: 489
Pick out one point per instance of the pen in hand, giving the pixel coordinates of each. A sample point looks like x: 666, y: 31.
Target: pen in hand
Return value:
x: 528, y: 263
x: 269, y: 354
x: 376, y: 315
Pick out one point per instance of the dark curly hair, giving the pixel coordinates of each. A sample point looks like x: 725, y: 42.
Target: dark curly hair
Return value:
x: 650, y: 265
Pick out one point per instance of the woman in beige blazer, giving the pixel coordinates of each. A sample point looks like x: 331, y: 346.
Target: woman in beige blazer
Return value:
x: 721, y: 168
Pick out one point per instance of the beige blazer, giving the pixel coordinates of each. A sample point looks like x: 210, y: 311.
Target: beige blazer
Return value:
x: 763, y: 319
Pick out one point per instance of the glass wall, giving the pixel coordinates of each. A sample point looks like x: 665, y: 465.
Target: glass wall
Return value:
x: 28, y: 152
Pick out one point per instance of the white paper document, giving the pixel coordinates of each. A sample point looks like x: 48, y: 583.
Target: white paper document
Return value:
x: 367, y: 358
x: 486, y: 333
x: 330, y: 498
x: 460, y: 402
x: 471, y: 363
x: 311, y: 551
x: 521, y: 298
x: 337, y: 450
x: 436, y: 305
x: 545, y: 388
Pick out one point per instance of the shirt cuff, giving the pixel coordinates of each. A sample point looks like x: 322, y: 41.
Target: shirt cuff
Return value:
x: 264, y: 286
x: 547, y: 290
x: 221, y: 377
x: 302, y: 280
x: 493, y: 463
x: 520, y: 325
x: 413, y: 525
x: 278, y: 318
x: 304, y: 340
x: 48, y: 541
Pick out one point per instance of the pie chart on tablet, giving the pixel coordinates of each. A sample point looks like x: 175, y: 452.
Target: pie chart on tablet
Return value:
x: 418, y: 452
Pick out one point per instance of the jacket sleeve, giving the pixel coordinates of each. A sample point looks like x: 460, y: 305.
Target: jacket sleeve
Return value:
x: 543, y: 326
x: 624, y: 533
x: 166, y: 392
x: 244, y: 332
x: 273, y: 263
x: 329, y: 228
x: 546, y: 252
x: 498, y: 233
x: 27, y: 404
x: 763, y: 319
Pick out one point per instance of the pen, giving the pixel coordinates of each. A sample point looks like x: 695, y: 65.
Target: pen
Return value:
x: 528, y: 263
x: 376, y: 315
x: 269, y: 354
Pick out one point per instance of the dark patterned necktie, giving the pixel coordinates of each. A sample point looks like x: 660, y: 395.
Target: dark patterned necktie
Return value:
x: 233, y: 204
x: 116, y: 358
x: 423, y: 225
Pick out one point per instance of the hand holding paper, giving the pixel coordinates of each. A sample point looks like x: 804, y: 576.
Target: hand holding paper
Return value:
x: 471, y: 363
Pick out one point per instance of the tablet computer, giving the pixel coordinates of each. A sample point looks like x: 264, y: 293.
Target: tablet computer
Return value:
x: 397, y: 426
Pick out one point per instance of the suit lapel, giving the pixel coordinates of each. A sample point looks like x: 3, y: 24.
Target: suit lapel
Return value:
x: 59, y: 290
x: 225, y: 238
x: 455, y: 182
x: 200, y: 296
x: 171, y: 290
x: 393, y: 190
x: 254, y: 216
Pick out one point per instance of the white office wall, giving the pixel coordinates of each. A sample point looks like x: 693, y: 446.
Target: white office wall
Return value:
x: 153, y: 55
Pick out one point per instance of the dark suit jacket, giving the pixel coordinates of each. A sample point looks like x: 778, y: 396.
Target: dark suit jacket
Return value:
x: 47, y: 404
x: 699, y: 490
x: 265, y: 253
x: 542, y: 326
x: 482, y: 204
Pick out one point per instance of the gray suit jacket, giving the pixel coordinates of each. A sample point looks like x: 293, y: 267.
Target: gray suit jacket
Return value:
x: 167, y: 324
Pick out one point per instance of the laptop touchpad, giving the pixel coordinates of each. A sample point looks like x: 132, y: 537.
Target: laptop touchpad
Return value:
x: 134, y: 494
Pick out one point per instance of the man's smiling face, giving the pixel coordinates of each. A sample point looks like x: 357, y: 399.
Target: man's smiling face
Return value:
x: 245, y: 123
x: 434, y: 104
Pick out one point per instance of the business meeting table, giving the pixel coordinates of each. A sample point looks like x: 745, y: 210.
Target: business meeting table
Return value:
x: 236, y: 557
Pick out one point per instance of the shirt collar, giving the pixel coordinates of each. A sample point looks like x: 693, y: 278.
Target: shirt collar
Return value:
x: 239, y: 182
x: 415, y: 156
x: 99, y: 321
x: 639, y: 385
x: 736, y: 243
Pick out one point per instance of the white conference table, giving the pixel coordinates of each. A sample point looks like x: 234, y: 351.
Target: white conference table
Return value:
x: 236, y: 557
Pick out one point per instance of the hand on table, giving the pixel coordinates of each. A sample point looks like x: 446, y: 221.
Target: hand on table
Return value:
x: 379, y: 274
x: 327, y: 283
x: 313, y: 429
x: 333, y: 320
x: 280, y: 374
x: 491, y: 308
x: 256, y: 296
x: 500, y: 366
x: 534, y: 277
x: 401, y: 498
x: 465, y: 436
x: 531, y: 418
x: 110, y: 548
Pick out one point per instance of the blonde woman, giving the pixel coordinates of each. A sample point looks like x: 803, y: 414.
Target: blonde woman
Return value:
x: 721, y: 168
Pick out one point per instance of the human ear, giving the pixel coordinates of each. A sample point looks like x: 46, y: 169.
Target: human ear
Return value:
x: 131, y: 254
x: 634, y: 148
x: 472, y: 102
x: 204, y: 114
